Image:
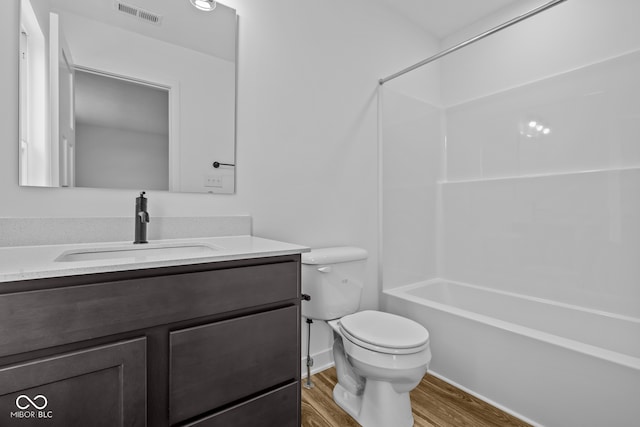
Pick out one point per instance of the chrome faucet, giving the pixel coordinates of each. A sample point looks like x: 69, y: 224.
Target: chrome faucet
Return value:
x: 141, y: 219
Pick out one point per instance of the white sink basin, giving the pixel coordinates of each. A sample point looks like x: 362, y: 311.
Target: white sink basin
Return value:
x: 139, y: 252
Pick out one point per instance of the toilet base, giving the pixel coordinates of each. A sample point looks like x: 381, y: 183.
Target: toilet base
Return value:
x: 379, y: 406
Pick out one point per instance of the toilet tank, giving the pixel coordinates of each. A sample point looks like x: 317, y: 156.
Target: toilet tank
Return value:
x: 333, y: 278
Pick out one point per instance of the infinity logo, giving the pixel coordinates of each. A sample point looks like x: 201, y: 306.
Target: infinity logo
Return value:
x: 30, y: 402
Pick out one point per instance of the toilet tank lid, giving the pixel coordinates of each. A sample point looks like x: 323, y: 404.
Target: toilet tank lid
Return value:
x: 334, y: 255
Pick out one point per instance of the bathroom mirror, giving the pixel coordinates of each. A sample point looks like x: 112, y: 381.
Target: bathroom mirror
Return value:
x: 135, y: 94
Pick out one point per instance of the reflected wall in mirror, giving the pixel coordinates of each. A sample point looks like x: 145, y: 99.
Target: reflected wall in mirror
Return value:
x: 136, y: 94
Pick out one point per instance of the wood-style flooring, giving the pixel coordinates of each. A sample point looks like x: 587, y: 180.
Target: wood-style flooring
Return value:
x: 434, y: 403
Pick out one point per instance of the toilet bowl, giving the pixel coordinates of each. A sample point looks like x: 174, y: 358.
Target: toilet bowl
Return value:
x: 379, y: 357
x: 385, y: 363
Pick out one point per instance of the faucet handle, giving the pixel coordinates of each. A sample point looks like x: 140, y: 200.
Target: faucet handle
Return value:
x: 144, y: 216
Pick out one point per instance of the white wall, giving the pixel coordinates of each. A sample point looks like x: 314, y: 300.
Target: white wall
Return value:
x: 307, y: 129
x: 554, y: 216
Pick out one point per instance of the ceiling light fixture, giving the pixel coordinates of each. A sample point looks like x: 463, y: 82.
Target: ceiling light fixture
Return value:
x: 206, y: 5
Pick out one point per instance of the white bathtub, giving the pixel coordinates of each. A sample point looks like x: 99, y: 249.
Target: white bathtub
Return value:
x: 548, y: 363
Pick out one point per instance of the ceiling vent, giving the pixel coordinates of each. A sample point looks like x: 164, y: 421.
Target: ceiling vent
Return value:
x: 143, y: 15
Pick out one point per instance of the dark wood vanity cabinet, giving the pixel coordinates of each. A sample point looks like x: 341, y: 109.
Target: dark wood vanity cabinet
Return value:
x: 214, y: 344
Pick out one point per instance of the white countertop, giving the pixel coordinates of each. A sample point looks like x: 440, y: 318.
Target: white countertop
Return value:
x: 36, y: 262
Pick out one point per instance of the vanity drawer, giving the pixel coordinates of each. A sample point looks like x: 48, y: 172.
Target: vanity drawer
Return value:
x: 276, y: 408
x: 45, y: 318
x: 220, y: 363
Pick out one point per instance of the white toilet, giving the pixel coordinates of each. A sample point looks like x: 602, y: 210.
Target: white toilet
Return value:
x: 379, y: 357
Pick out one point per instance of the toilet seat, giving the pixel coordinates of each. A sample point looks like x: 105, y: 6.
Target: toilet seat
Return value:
x: 384, y: 332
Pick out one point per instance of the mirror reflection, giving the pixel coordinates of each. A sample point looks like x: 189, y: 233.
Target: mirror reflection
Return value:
x: 133, y: 94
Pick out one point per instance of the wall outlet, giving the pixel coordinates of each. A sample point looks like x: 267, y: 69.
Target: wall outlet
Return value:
x: 213, y: 181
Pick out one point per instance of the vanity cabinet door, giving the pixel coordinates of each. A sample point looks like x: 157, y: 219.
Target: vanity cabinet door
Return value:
x: 101, y: 386
x: 224, y: 362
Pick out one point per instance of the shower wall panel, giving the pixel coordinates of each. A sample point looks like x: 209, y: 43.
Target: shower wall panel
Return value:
x: 411, y: 164
x: 555, y: 214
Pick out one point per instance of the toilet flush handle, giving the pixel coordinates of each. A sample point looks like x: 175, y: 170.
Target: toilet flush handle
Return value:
x: 325, y: 269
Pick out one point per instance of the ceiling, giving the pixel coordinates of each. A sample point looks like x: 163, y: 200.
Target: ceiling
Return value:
x: 444, y: 17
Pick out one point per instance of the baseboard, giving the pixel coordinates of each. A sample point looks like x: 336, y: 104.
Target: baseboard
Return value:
x: 321, y: 361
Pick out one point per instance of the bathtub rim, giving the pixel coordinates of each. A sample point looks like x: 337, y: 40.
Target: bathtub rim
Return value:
x: 615, y: 357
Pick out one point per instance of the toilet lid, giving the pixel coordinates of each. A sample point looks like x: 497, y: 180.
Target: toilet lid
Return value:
x: 384, y: 331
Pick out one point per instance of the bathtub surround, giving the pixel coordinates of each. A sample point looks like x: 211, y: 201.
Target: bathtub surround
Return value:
x: 549, y: 216
x: 572, y: 238
x: 511, y: 208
